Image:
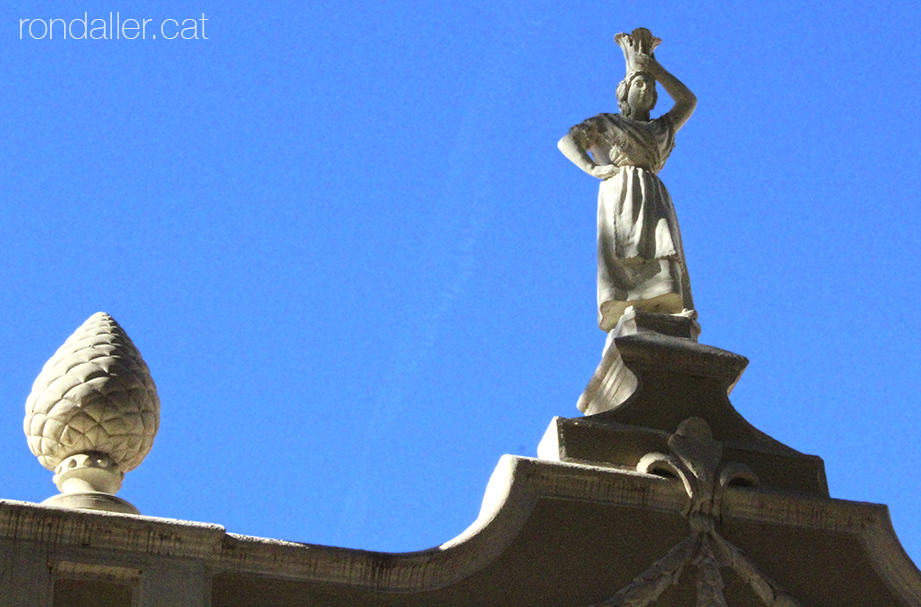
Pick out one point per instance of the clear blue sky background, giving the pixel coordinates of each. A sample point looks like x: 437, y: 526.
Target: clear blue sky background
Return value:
x: 344, y: 241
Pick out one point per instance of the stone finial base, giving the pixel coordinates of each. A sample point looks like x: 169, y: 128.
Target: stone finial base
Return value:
x: 635, y: 321
x: 92, y: 500
x: 88, y: 472
x: 89, y: 481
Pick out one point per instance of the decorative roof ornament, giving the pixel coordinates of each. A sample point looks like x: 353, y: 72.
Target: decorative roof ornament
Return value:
x: 643, y: 283
x: 92, y: 415
x: 696, y: 459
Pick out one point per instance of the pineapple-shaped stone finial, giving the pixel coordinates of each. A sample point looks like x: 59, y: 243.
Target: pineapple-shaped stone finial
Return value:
x: 92, y: 415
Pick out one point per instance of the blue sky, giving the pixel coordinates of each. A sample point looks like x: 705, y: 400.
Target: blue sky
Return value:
x: 342, y: 237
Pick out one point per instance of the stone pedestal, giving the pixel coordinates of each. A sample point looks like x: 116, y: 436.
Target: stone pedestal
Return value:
x: 673, y: 378
x: 613, y: 382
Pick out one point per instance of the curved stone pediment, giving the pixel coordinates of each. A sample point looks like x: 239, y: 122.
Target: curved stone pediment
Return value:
x: 549, y: 534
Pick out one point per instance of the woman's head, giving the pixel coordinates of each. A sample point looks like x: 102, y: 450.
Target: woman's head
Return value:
x: 636, y: 94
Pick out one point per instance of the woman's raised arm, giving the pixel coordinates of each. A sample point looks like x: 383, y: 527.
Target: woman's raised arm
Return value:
x: 685, y: 101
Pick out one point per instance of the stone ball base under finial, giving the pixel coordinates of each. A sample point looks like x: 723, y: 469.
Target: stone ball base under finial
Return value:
x: 92, y: 500
x: 89, y: 481
x: 83, y: 472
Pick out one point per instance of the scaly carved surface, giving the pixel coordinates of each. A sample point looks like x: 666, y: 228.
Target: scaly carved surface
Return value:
x: 94, y: 395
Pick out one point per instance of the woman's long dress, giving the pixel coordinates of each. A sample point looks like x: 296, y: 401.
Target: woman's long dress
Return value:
x: 640, y: 258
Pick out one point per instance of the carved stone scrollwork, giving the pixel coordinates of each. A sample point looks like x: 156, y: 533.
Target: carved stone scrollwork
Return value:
x: 695, y: 459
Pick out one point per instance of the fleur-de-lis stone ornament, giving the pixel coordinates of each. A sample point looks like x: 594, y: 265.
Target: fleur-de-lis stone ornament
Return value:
x: 695, y: 458
x: 92, y: 415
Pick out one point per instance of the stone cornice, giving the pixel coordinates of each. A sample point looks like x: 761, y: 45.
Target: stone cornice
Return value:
x: 516, y: 487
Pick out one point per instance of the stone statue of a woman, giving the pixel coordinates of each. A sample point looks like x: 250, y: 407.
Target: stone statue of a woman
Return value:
x: 640, y: 259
